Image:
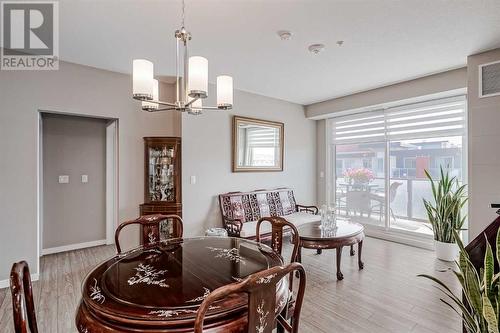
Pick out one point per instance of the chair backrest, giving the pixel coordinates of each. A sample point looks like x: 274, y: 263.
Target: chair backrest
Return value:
x: 358, y: 200
x: 278, y: 226
x: 261, y: 290
x: 251, y: 206
x: 150, y: 228
x: 22, y: 298
x: 393, y: 190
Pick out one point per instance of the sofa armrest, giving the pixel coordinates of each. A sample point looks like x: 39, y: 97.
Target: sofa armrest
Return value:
x: 308, y: 209
x: 233, y: 226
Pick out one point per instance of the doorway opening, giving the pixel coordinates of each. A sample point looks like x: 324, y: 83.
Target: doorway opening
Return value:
x: 78, y: 181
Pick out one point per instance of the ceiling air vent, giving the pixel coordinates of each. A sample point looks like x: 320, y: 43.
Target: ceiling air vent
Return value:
x: 489, y: 79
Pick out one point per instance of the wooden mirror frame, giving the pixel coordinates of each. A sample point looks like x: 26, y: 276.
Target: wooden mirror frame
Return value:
x: 275, y: 124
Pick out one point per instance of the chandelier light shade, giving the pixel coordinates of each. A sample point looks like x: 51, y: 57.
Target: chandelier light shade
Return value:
x: 142, y: 79
x: 224, y: 91
x: 149, y: 106
x: 198, y: 77
x: 191, y: 81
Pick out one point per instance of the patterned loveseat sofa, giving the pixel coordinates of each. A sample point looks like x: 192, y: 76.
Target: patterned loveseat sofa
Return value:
x: 241, y: 210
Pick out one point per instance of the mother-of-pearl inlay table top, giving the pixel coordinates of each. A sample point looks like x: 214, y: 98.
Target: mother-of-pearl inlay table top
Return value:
x: 159, y: 287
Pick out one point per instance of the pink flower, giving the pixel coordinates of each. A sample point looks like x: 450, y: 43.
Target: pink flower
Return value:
x: 360, y: 175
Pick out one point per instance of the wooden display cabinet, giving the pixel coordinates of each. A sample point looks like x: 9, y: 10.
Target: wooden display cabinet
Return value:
x: 162, y: 176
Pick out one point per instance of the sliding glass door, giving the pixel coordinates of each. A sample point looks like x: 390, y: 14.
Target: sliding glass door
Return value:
x: 379, y: 161
x: 409, y: 159
x: 360, y: 181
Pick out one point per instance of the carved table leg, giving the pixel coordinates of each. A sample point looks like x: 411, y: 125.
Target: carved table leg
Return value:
x: 340, y: 276
x: 360, y: 248
x: 319, y: 251
x: 352, y: 250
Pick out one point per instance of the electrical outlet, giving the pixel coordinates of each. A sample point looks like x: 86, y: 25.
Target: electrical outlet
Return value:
x: 63, y: 179
x: 85, y: 178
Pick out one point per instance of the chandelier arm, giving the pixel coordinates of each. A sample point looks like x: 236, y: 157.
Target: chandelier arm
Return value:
x: 166, y: 109
x: 162, y: 109
x: 191, y: 102
x: 157, y: 102
x: 186, y: 70
x: 210, y: 108
x: 177, y: 79
x: 183, y: 12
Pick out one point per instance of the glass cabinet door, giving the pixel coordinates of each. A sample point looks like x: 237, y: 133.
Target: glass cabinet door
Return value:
x: 161, y: 173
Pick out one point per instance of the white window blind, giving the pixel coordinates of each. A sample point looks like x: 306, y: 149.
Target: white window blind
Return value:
x: 262, y: 137
x: 443, y: 117
x: 361, y: 127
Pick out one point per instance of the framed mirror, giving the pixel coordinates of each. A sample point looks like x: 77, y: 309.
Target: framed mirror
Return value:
x: 257, y: 145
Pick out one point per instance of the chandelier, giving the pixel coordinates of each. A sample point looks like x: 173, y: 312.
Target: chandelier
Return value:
x: 190, y: 90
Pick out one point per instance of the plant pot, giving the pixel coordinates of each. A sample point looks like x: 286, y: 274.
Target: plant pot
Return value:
x: 446, y: 251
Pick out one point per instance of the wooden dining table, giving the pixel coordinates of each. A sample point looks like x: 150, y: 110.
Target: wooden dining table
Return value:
x: 159, y: 287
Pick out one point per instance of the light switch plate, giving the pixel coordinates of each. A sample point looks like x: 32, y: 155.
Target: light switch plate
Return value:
x: 85, y: 178
x: 63, y: 179
x: 192, y: 180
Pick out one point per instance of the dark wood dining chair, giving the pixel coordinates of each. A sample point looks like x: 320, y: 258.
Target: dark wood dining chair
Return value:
x: 261, y: 290
x: 22, y: 298
x: 279, y: 226
x: 150, y: 225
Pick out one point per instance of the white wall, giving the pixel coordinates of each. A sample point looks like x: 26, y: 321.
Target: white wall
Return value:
x: 411, y: 90
x: 72, y: 89
x: 484, y: 147
x: 206, y: 154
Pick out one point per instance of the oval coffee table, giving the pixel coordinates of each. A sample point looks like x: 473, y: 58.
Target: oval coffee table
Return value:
x: 312, y: 236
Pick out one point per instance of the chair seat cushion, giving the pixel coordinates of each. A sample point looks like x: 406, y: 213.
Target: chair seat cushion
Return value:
x: 300, y: 218
x: 297, y: 219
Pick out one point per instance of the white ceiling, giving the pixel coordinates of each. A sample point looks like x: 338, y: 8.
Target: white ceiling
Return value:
x: 386, y: 41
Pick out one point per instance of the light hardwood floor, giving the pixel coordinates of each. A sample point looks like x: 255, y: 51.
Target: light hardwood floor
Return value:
x: 384, y: 297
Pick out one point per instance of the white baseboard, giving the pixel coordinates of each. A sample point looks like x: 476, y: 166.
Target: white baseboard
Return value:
x: 6, y: 283
x: 403, y: 238
x: 72, y: 247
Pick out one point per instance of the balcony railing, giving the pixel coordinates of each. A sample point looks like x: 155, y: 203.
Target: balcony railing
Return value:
x: 407, y: 202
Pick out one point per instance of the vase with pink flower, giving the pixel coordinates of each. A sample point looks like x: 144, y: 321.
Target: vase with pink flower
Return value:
x: 359, y: 176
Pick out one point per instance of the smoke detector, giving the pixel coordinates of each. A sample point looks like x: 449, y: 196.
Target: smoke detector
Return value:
x: 316, y: 48
x: 285, y: 35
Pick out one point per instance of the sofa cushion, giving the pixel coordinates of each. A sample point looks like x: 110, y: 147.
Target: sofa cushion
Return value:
x: 300, y: 218
x: 297, y: 219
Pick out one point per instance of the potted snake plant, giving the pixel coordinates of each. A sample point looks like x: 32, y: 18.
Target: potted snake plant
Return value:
x: 445, y: 213
x: 479, y: 303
